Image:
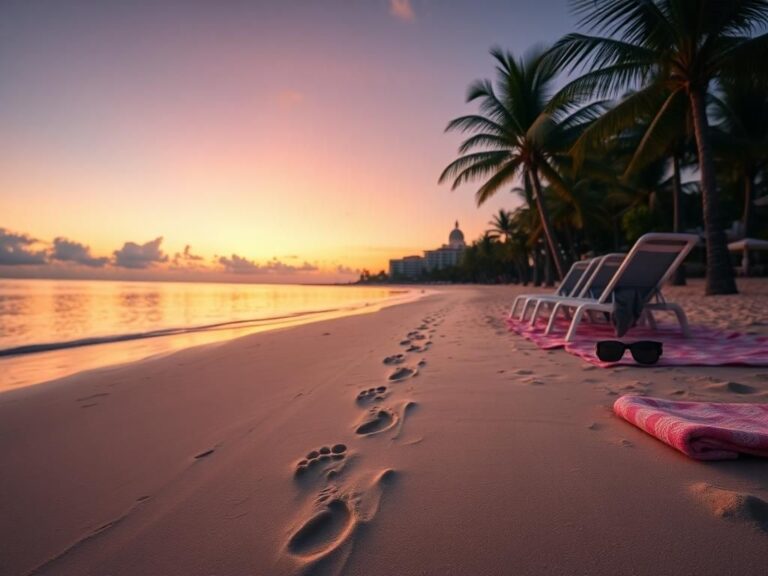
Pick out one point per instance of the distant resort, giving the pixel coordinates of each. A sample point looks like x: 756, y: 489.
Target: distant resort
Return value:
x: 447, y: 256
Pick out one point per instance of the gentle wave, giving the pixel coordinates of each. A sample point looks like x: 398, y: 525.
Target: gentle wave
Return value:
x: 252, y: 322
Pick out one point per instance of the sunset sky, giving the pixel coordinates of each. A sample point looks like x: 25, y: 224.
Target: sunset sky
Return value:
x: 291, y: 140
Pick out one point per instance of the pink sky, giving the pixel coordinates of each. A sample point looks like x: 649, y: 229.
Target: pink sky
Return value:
x: 300, y: 137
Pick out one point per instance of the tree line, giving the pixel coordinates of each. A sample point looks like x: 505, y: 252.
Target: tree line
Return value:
x: 662, y: 124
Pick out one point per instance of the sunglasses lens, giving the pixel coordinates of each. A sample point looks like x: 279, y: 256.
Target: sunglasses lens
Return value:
x: 646, y: 351
x: 609, y: 350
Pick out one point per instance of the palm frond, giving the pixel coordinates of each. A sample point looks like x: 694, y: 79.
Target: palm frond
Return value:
x: 667, y: 127
x: 471, y: 166
x: 623, y: 116
x: 475, y: 123
x: 502, y: 177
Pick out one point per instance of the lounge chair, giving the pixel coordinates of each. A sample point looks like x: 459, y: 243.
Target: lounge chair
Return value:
x: 649, y: 264
x: 567, y: 287
x: 599, y: 272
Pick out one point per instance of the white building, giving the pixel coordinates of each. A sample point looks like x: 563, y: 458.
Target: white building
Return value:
x: 444, y: 257
x: 408, y: 267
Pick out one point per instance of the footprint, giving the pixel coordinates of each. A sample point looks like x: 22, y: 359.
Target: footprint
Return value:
x: 341, y: 511
x: 418, y: 336
x: 523, y: 372
x: 733, y: 387
x: 402, y: 374
x: 319, y: 457
x: 376, y: 421
x: 422, y: 363
x: 371, y: 394
x: 323, y: 532
x: 394, y: 359
x: 732, y: 505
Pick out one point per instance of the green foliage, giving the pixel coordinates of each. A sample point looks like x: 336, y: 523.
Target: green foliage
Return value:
x: 663, y: 91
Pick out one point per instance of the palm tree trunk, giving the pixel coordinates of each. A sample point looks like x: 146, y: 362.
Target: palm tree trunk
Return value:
x: 545, y: 222
x: 536, y: 265
x: 677, y: 190
x: 749, y: 186
x: 549, y: 280
x: 719, y: 271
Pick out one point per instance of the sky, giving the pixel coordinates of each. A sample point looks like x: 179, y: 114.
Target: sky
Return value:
x: 270, y: 141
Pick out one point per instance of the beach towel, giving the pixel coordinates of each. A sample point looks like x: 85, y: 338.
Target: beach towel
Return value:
x: 705, y: 347
x: 701, y: 430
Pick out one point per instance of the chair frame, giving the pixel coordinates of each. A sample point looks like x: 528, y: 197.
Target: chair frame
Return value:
x: 595, y: 268
x: 582, y: 265
x: 605, y: 302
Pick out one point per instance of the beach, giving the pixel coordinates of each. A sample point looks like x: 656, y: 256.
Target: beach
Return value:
x: 299, y: 451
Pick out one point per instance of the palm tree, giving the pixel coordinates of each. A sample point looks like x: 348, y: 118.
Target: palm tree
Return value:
x: 502, y: 224
x: 513, y: 135
x: 672, y: 50
x: 741, y: 138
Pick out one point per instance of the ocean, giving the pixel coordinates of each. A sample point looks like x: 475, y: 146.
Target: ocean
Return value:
x: 53, y: 328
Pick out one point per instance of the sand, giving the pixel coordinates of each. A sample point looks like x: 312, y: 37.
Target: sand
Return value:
x: 301, y: 451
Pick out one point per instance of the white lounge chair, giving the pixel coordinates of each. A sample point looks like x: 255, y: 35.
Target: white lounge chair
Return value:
x: 599, y: 272
x: 649, y: 264
x: 567, y: 287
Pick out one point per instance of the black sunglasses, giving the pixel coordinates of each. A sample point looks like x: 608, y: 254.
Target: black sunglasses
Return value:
x: 644, y: 351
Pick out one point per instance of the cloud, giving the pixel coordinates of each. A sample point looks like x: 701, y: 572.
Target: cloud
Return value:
x: 15, y: 250
x: 186, y: 260
x: 341, y: 269
x: 402, y: 9
x: 68, y: 251
x: 140, y: 256
x: 241, y: 265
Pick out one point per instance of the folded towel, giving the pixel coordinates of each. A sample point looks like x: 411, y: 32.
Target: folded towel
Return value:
x: 701, y: 430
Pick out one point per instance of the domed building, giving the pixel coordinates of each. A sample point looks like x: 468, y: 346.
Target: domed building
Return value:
x: 444, y: 257
x: 456, y: 238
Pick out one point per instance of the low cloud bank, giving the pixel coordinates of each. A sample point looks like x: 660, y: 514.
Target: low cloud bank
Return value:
x: 16, y: 249
x: 68, y: 251
x: 140, y: 256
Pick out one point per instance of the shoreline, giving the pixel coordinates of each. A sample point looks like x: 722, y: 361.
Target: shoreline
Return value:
x: 490, y: 457
x: 33, y: 364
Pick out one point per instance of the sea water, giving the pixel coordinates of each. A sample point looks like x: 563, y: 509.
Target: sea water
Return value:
x: 53, y: 328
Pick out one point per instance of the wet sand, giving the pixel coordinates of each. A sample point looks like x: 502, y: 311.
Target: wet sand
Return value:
x: 421, y: 439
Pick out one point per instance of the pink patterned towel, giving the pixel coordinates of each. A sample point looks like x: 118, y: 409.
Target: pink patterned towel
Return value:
x: 701, y: 430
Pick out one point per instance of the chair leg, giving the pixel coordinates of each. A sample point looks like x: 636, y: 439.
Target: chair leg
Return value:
x: 535, y: 313
x: 648, y: 315
x: 552, y: 316
x: 523, y: 300
x: 575, y: 323
x: 681, y: 318
x: 526, y: 306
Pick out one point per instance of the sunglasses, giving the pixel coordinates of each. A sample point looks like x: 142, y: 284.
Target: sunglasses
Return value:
x: 644, y: 351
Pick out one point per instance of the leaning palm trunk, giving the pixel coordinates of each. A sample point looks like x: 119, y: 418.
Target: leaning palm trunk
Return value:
x: 719, y: 272
x: 554, y: 253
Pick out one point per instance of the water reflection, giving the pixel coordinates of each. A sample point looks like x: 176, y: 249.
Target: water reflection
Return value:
x: 44, y: 312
